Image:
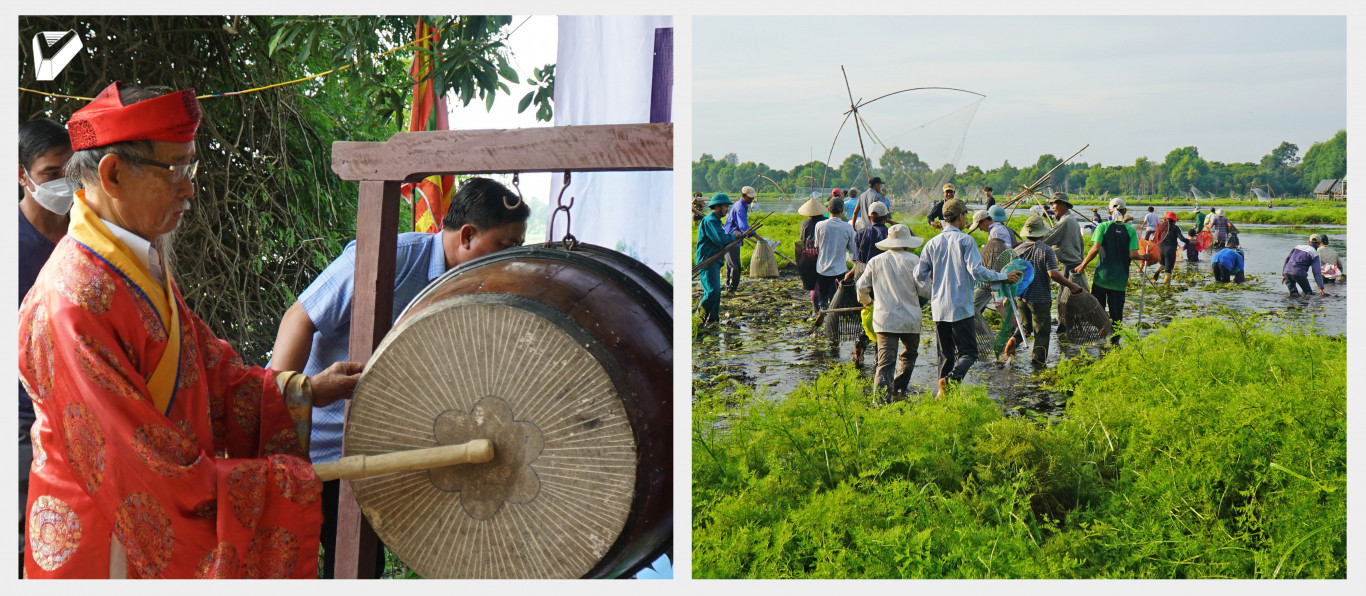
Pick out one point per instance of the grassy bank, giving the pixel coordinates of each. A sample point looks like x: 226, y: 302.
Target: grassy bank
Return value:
x: 1302, y: 216
x: 767, y: 194
x: 1208, y: 449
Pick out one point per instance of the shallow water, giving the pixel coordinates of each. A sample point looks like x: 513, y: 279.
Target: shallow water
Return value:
x: 766, y: 341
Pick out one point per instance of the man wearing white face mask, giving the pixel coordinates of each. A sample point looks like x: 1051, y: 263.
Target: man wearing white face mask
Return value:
x: 44, y: 148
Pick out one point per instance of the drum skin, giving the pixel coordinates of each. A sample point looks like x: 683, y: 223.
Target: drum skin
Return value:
x: 613, y: 308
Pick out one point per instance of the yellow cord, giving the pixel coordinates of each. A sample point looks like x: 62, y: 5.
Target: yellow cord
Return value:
x: 299, y: 80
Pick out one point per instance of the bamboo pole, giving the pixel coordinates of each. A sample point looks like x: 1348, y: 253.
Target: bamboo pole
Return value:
x: 1029, y: 190
x: 697, y: 269
x: 477, y: 451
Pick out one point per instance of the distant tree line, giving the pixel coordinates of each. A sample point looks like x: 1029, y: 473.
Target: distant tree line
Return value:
x: 1279, y: 173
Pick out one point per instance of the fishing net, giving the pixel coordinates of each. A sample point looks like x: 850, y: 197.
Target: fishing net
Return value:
x: 763, y: 263
x: 995, y: 255
x: 992, y: 250
x: 986, y: 336
x: 1010, y: 317
x: 1203, y: 240
x: 913, y: 140
x: 843, y: 326
x: 1083, y: 318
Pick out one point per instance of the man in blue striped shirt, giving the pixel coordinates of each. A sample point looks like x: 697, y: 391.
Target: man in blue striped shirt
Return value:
x: 737, y: 221
x: 315, y: 331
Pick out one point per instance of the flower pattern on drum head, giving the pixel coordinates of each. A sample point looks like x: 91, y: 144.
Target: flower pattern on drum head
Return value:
x: 101, y: 366
x: 54, y: 532
x: 272, y: 554
x: 143, y: 527
x: 246, y: 405
x: 246, y: 491
x: 164, y: 450
x: 294, y: 478
x: 219, y: 563
x: 84, y: 283
x: 84, y: 445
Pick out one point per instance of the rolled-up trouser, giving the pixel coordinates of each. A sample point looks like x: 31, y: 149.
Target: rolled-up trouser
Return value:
x: 733, y: 268
x: 981, y: 297
x: 25, y: 462
x: 1221, y: 274
x: 887, y: 360
x: 957, y: 347
x: 1166, y: 258
x: 825, y: 289
x: 1297, y: 280
x: 1038, y: 323
x: 711, y: 293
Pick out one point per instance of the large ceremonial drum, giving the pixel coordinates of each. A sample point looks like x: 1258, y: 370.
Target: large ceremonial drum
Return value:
x: 564, y: 360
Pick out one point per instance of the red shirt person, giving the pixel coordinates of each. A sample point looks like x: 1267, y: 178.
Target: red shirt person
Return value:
x: 157, y: 452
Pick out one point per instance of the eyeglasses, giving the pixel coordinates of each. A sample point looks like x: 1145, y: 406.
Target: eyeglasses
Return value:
x: 178, y: 172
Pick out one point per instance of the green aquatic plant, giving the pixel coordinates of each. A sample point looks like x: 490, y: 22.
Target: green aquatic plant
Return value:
x: 1206, y: 449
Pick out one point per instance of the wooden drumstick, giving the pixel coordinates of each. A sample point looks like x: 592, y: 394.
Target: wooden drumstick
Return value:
x: 477, y: 451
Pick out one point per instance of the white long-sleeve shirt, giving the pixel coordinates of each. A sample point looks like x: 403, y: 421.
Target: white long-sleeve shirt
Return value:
x: 889, y: 284
x: 835, y: 239
x: 951, y: 265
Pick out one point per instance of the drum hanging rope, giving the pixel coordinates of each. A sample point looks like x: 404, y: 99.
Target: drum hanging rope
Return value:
x: 569, y: 241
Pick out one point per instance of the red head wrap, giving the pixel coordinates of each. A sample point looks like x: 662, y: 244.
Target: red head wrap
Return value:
x: 173, y: 117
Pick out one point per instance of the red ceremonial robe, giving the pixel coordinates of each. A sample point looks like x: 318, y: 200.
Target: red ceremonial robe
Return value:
x: 156, y: 451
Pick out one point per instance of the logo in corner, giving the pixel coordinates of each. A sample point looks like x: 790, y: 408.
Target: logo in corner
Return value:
x: 52, y: 51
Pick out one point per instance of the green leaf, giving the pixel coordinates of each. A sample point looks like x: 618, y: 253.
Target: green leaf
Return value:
x: 274, y: 41
x: 526, y: 101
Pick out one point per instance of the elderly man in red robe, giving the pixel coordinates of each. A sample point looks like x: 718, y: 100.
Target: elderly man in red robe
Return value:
x: 157, y: 452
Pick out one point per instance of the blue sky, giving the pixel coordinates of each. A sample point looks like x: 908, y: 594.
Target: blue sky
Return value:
x: 770, y: 89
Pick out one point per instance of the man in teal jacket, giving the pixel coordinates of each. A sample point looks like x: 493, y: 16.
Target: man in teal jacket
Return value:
x: 711, y: 239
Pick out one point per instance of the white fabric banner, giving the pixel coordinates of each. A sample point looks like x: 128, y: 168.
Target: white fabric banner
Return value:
x: 603, y: 74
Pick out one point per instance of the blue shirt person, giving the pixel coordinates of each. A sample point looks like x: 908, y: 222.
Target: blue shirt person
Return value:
x: 315, y: 331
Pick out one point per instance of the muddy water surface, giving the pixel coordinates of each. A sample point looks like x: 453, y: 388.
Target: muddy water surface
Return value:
x: 766, y: 340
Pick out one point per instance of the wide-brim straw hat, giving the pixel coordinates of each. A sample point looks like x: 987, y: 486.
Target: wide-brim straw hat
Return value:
x: 811, y: 208
x: 1034, y: 227
x: 900, y: 236
x: 977, y: 219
